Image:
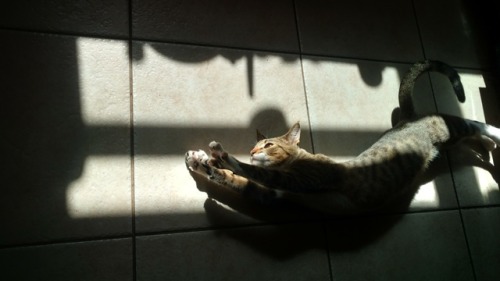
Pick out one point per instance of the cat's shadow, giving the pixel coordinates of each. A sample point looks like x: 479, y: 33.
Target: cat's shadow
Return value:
x: 285, y: 231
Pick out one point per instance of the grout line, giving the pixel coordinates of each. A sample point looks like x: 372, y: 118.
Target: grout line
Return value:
x: 62, y: 33
x: 132, y: 141
x: 240, y: 226
x: 327, y: 246
x: 460, y: 213
x: 419, y: 31
x: 243, y: 49
x: 65, y: 241
x: 303, y: 76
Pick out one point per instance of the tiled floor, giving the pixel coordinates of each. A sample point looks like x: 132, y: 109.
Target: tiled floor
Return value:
x: 101, y: 99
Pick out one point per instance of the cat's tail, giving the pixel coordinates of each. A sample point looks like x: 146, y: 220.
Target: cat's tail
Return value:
x: 408, y: 83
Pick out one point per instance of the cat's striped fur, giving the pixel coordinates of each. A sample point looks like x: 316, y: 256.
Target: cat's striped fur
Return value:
x: 281, y: 170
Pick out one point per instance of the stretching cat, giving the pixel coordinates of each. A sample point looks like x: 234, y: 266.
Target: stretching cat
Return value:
x: 281, y: 170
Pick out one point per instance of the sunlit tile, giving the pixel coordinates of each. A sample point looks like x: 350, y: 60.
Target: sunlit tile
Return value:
x: 103, y: 189
x: 185, y: 97
x: 67, y: 133
x: 350, y: 104
x: 475, y: 185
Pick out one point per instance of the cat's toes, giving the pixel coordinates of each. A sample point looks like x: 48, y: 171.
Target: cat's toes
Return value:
x: 195, y: 159
x: 488, y: 143
x: 215, y: 146
x: 216, y: 150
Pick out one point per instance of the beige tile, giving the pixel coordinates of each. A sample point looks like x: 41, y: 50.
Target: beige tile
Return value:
x: 288, y: 252
x: 350, y: 104
x: 103, y: 18
x: 66, y: 138
x: 185, y: 97
x: 422, y: 246
x: 451, y: 32
x: 359, y: 29
x: 93, y: 260
x: 475, y: 186
x: 482, y: 227
x: 259, y: 24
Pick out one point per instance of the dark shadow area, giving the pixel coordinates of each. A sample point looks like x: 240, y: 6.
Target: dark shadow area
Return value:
x: 291, y: 236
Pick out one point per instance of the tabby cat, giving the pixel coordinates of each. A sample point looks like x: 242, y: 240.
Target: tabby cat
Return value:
x: 281, y: 170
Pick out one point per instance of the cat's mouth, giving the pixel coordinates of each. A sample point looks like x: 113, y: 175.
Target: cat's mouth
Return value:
x: 259, y: 159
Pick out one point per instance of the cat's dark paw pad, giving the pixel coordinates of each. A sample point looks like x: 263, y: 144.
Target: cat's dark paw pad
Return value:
x: 197, y: 161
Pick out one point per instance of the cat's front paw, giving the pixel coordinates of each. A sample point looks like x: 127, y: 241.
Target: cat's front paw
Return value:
x: 198, y: 161
x: 217, y: 151
x: 222, y: 159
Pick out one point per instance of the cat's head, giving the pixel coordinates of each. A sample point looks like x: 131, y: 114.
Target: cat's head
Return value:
x: 274, y: 152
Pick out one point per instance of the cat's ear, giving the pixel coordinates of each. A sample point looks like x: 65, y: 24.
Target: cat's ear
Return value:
x: 260, y: 136
x: 293, y: 135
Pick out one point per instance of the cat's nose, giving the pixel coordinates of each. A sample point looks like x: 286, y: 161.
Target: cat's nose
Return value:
x: 253, y: 151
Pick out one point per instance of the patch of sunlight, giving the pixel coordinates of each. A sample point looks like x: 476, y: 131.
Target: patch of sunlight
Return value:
x: 426, y: 196
x: 215, y: 90
x: 163, y: 185
x: 488, y: 187
x: 103, y: 189
x: 340, y: 89
x: 103, y: 69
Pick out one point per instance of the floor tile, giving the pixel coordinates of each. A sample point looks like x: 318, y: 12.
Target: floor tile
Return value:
x: 475, y: 186
x: 185, y: 97
x: 289, y: 252
x: 65, y: 120
x: 350, y: 106
x: 268, y: 25
x: 95, y: 260
x: 482, y: 227
x: 423, y: 246
x: 451, y: 33
x: 94, y: 17
x: 359, y: 29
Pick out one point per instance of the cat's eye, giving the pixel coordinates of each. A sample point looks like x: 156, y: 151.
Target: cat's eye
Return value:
x: 268, y: 145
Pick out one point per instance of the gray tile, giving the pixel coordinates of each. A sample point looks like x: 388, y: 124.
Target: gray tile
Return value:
x: 288, y: 252
x: 185, y: 97
x: 482, y: 227
x: 359, y: 29
x: 96, y: 260
x: 350, y: 106
x: 94, y: 17
x: 475, y: 183
x: 423, y: 246
x: 266, y: 25
x: 451, y: 33
x: 65, y: 122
